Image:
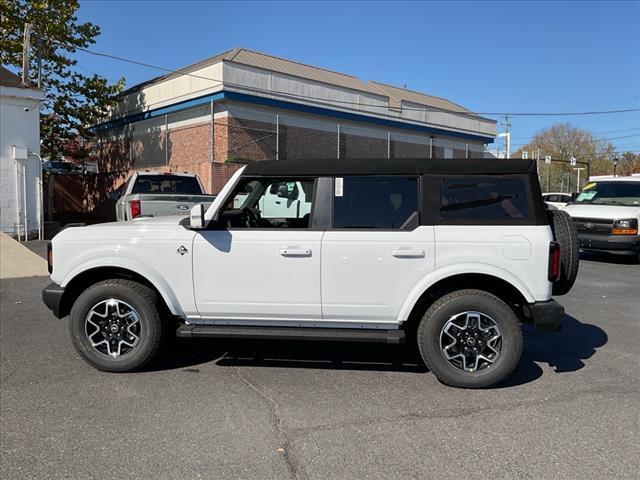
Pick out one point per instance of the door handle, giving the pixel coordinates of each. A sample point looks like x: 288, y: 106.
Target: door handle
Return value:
x: 295, y: 252
x: 407, y: 253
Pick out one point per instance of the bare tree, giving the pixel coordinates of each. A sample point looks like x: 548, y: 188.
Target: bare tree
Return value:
x: 563, y: 141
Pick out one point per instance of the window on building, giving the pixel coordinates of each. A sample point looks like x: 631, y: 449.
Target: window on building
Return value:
x: 490, y: 198
x: 270, y: 203
x: 376, y: 202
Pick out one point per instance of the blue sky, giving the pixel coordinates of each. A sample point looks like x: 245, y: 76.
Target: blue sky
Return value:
x: 486, y: 56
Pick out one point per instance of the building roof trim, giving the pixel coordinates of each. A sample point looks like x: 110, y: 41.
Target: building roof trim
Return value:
x: 286, y: 105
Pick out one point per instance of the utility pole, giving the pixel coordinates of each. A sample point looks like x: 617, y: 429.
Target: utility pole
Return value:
x: 578, y: 169
x: 547, y: 161
x: 26, y: 47
x: 507, y: 136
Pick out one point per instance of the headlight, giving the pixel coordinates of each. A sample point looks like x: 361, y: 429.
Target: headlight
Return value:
x: 626, y: 226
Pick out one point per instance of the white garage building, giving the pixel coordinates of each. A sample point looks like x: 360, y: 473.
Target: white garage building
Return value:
x: 20, y: 166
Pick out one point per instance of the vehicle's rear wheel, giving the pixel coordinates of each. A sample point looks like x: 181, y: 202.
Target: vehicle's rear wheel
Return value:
x: 116, y: 325
x: 566, y: 234
x: 470, y: 339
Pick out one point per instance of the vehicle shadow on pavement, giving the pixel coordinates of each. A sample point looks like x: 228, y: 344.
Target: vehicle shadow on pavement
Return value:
x: 326, y: 355
x: 187, y: 354
x: 601, y: 257
x: 564, y: 351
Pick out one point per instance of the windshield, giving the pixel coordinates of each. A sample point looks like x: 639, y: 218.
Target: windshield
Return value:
x: 611, y: 193
x: 167, y: 184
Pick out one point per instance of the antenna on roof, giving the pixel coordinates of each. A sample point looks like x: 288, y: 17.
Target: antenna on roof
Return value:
x: 26, y: 45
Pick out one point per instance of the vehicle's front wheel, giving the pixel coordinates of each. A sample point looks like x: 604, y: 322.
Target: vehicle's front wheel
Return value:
x: 116, y: 325
x: 470, y: 339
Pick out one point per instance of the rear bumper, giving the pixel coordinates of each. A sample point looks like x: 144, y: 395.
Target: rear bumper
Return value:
x: 52, y: 298
x: 547, y: 315
x: 617, y: 244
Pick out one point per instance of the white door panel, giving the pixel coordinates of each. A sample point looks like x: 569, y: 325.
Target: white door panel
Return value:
x: 254, y: 274
x: 367, y: 275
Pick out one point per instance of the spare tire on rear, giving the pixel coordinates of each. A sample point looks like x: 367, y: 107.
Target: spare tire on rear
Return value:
x: 566, y: 234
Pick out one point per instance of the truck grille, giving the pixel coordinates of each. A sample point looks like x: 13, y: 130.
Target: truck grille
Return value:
x: 593, y: 225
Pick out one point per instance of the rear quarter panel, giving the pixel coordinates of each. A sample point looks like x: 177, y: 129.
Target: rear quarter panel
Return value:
x: 518, y: 254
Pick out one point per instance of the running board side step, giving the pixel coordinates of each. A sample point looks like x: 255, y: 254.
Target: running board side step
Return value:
x: 291, y: 333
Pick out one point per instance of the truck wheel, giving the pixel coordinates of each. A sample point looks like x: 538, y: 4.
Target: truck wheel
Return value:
x: 470, y: 339
x: 116, y: 325
x: 566, y: 234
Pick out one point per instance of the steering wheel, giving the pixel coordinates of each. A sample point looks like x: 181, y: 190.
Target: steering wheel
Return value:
x: 251, y: 217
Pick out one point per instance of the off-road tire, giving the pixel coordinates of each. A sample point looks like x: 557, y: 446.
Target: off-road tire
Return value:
x: 153, y: 327
x: 439, y: 313
x: 565, y: 233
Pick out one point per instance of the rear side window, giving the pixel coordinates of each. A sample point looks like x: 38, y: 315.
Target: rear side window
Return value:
x: 167, y: 184
x: 466, y: 198
x: 376, y: 202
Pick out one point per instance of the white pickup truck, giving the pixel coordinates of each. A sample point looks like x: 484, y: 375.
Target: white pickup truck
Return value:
x: 453, y: 255
x: 156, y: 194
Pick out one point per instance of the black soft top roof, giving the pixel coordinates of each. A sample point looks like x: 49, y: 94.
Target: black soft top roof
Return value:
x: 398, y: 166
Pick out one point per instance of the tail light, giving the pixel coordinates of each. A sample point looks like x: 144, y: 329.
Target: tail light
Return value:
x: 49, y: 257
x: 625, y: 227
x: 134, y: 208
x: 554, y: 261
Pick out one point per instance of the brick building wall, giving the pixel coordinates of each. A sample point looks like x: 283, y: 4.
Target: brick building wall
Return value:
x: 237, y: 140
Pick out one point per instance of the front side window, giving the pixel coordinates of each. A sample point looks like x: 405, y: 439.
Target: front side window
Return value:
x: 270, y: 203
x: 376, y: 202
x: 483, y: 198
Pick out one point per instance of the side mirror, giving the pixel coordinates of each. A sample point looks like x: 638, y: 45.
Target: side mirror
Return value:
x: 283, y: 191
x: 196, y: 217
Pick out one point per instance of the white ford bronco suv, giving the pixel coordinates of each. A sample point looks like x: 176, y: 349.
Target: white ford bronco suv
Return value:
x: 452, y: 254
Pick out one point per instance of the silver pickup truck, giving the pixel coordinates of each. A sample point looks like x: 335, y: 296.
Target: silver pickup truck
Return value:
x: 155, y: 194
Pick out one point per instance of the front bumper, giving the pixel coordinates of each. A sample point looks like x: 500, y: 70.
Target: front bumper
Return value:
x: 616, y: 244
x: 547, y: 315
x: 52, y: 298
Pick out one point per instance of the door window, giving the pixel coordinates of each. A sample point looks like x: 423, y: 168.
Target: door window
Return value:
x: 376, y: 202
x: 270, y: 203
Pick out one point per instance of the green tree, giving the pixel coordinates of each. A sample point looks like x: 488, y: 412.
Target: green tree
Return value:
x: 563, y: 141
x: 73, y: 100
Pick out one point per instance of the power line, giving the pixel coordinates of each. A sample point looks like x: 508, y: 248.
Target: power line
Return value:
x: 220, y: 82
x: 597, y: 138
x: 594, y: 133
x: 617, y: 131
x: 624, y: 136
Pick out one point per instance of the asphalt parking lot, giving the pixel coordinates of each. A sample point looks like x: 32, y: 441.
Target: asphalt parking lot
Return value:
x: 238, y: 410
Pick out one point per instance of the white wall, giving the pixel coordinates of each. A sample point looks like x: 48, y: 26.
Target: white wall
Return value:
x: 21, y: 128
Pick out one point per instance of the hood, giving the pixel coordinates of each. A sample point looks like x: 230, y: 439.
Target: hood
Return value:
x: 610, y: 212
x: 119, y: 230
x: 143, y: 221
